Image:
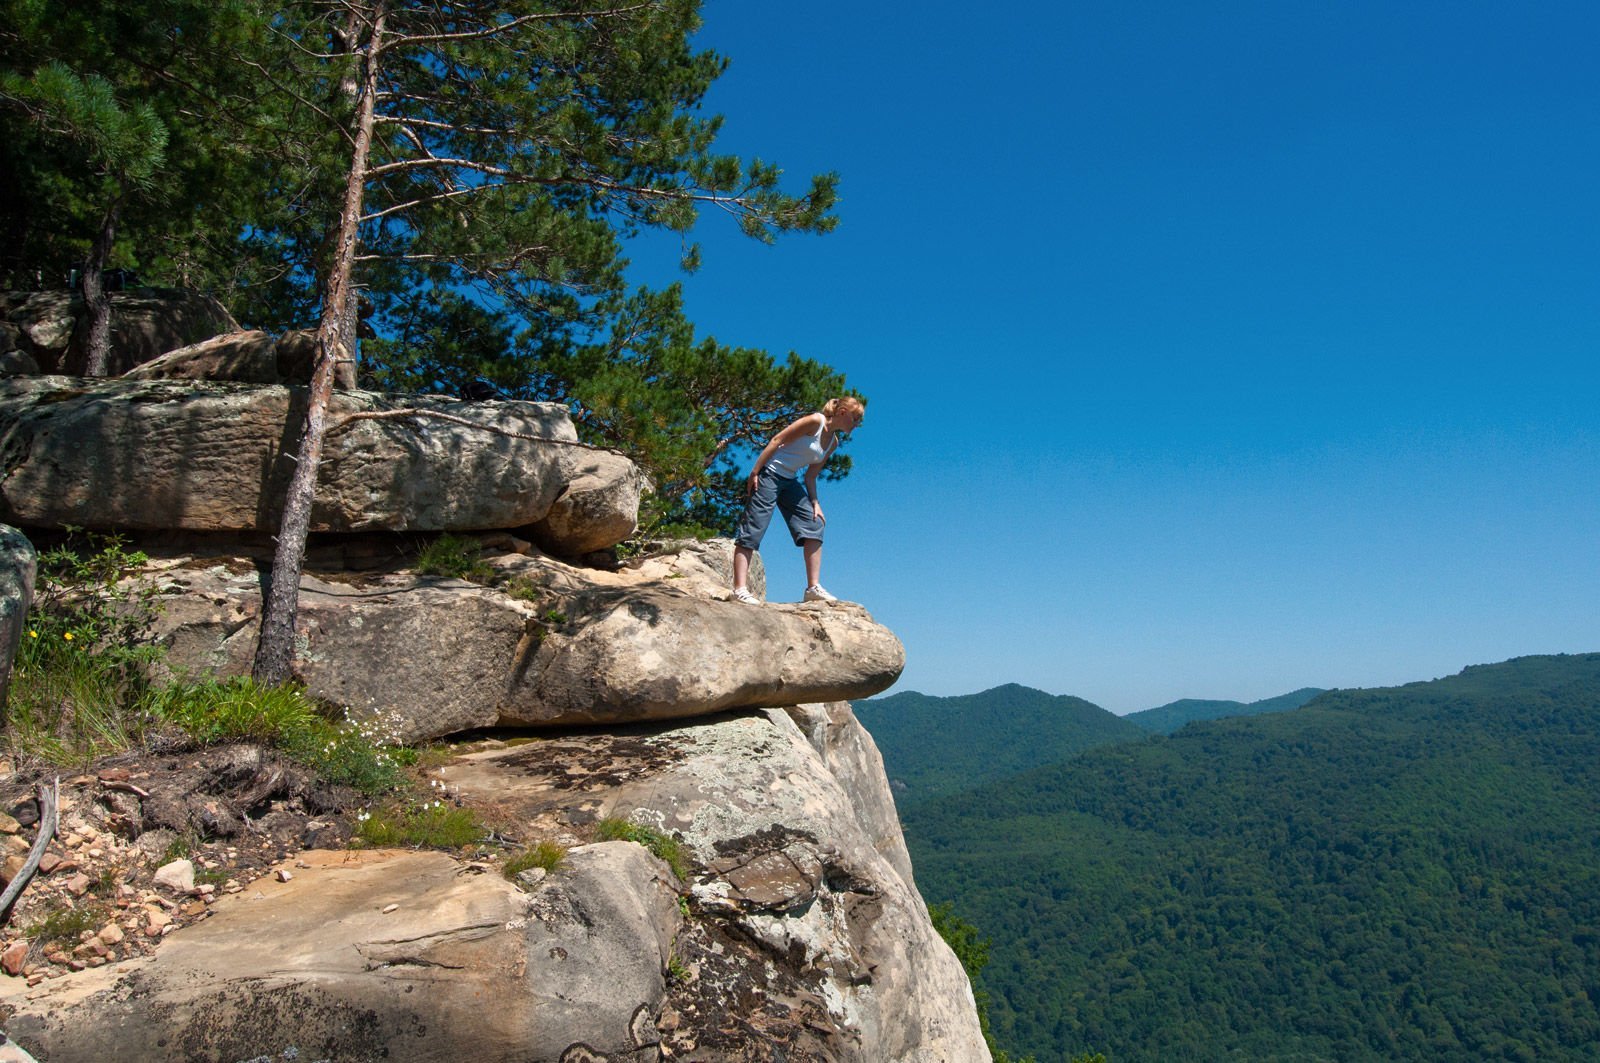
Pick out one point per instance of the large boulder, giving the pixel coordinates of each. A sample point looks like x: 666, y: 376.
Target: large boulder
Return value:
x: 653, y: 654
x: 575, y: 652
x: 804, y: 936
x: 248, y: 357
x: 598, y: 507
x: 145, y: 323
x: 251, y: 357
x: 18, y: 562
x: 162, y: 455
x: 386, y: 956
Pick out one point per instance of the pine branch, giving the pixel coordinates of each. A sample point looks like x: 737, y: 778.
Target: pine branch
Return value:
x: 406, y: 40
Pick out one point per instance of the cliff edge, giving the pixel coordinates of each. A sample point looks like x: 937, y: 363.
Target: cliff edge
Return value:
x: 787, y: 927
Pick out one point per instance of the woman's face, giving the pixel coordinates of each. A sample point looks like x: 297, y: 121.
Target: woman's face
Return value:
x: 845, y: 419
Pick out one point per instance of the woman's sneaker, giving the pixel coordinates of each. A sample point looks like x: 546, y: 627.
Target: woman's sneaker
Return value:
x: 815, y: 593
x: 742, y: 594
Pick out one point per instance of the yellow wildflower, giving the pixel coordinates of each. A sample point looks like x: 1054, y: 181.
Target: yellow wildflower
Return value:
x: 67, y: 636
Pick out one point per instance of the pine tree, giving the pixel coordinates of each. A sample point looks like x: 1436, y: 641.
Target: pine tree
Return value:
x: 510, y: 144
x: 120, y: 135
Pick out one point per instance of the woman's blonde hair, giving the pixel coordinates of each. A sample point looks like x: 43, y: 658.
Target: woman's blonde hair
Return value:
x: 850, y: 402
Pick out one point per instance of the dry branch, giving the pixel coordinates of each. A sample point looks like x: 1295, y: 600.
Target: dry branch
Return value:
x: 49, y: 799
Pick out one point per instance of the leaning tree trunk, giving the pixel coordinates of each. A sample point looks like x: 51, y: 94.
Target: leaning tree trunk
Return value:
x: 96, y: 300
x: 275, y: 646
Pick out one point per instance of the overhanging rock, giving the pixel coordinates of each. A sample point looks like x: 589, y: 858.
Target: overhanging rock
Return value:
x: 478, y: 657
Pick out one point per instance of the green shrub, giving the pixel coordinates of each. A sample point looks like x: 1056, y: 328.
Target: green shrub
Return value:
x: 547, y: 855
x: 235, y: 710
x: 84, y: 662
x: 664, y: 846
x: 453, y: 555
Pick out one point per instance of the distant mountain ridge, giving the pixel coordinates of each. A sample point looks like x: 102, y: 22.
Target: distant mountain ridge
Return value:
x: 936, y: 746
x: 1165, y: 719
x: 1403, y: 873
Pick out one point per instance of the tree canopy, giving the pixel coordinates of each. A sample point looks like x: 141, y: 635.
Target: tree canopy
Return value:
x: 463, y: 177
x: 515, y: 147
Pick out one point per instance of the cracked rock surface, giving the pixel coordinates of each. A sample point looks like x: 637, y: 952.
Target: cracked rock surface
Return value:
x: 385, y: 954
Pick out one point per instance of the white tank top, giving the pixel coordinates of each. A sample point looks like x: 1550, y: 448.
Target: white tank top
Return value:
x: 793, y: 458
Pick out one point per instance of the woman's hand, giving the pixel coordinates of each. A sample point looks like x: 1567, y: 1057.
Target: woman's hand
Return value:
x: 750, y: 484
x: 816, y: 507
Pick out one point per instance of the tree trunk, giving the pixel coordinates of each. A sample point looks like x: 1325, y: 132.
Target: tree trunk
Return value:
x: 275, y: 646
x: 96, y: 300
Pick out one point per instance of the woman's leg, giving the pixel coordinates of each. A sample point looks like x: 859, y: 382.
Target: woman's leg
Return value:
x: 812, y: 550
x: 752, y: 527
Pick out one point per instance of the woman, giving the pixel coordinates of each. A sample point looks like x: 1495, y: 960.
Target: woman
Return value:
x: 800, y: 450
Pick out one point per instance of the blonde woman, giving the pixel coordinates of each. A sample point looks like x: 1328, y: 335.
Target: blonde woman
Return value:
x: 785, y: 479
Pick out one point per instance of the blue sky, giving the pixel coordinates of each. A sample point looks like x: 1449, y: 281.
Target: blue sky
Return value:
x: 1212, y: 350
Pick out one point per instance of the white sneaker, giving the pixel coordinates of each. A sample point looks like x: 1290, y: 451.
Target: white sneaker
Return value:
x: 742, y: 594
x: 815, y: 593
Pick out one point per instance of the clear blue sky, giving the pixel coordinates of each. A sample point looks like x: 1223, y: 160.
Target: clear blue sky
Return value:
x: 1212, y: 350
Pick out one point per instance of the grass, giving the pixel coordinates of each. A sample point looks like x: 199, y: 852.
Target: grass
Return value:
x: 434, y: 825
x: 241, y: 710
x: 523, y: 588
x: 66, y: 925
x: 453, y: 555
x: 677, y: 970
x: 547, y: 855
x: 668, y: 848
x: 69, y: 704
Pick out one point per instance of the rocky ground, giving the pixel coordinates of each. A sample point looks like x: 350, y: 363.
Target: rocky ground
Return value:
x: 146, y: 843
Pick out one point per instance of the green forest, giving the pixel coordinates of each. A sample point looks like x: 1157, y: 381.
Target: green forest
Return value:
x: 1402, y: 873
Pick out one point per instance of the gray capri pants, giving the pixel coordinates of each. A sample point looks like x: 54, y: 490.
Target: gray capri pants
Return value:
x: 787, y: 494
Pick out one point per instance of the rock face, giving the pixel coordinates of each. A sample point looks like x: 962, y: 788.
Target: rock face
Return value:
x: 207, y: 457
x: 145, y: 323
x: 804, y: 935
x: 389, y: 955
x: 579, y: 652
x: 18, y: 561
x: 789, y: 930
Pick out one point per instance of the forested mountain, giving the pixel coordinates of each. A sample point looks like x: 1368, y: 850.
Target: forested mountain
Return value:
x: 1409, y: 873
x: 933, y: 747
x: 1164, y: 719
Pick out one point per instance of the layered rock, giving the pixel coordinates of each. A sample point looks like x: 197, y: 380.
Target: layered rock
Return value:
x: 653, y: 654
x: 209, y: 457
x: 571, y: 650
x: 598, y: 506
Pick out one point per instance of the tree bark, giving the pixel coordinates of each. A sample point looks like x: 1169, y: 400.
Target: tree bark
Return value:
x: 280, y: 605
x: 96, y: 300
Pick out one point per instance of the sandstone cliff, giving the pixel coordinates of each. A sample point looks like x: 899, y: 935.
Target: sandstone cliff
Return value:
x: 793, y: 929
